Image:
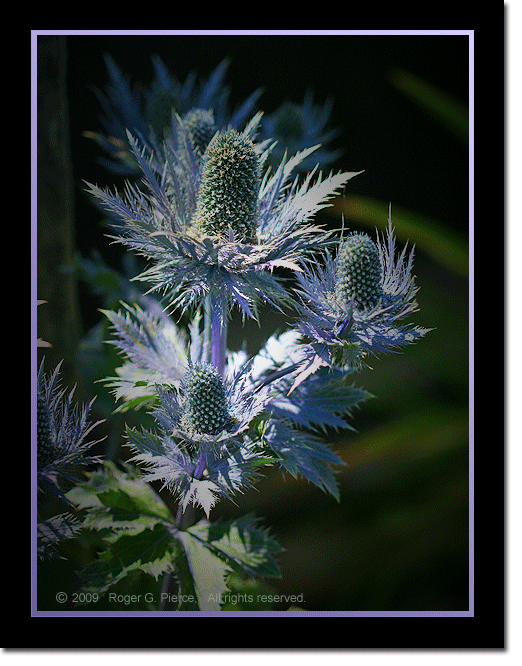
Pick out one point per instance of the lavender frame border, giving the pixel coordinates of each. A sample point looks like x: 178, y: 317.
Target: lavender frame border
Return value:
x: 34, y: 611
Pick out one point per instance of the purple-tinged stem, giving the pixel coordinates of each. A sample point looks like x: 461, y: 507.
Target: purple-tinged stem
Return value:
x: 219, y: 339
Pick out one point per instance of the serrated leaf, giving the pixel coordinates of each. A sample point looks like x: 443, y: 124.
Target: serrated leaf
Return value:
x: 301, y: 453
x: 152, y: 551
x: 117, y: 499
x: 242, y: 542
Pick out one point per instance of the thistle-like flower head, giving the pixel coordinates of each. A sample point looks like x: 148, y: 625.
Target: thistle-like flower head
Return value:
x: 62, y: 432
x: 351, y: 307
x: 289, y: 122
x: 218, y: 226
x: 298, y: 126
x: 228, y: 195
x: 205, y: 448
x: 160, y: 104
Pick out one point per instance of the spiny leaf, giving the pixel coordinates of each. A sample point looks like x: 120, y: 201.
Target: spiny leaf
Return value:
x: 152, y: 551
x: 300, y: 452
x: 121, y: 496
x: 241, y: 542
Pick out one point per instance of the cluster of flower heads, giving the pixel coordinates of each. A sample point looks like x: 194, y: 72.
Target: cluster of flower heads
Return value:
x: 217, y: 225
x: 62, y: 443
x: 216, y: 211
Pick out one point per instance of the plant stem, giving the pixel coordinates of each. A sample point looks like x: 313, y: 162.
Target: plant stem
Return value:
x: 219, y: 338
x: 207, y: 330
x: 217, y: 319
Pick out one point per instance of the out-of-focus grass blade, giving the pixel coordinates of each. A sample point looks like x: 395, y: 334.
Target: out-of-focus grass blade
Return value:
x: 444, y: 245
x: 450, y: 113
x: 426, y: 435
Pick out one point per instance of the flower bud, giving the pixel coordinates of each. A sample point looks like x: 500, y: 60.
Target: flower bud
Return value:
x: 160, y: 107
x: 200, y: 127
x: 229, y: 188
x: 289, y: 122
x: 358, y: 269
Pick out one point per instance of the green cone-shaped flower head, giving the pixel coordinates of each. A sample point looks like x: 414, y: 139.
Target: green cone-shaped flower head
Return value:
x: 200, y: 127
x: 203, y: 401
x: 358, y: 270
x: 229, y: 188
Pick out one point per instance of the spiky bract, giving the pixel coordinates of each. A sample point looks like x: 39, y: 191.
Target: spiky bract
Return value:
x: 62, y: 431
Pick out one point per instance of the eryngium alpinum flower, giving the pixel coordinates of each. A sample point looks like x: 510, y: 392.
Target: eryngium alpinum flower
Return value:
x: 204, y: 448
x: 62, y: 431
x: 351, y: 307
x: 229, y: 259
x: 227, y: 200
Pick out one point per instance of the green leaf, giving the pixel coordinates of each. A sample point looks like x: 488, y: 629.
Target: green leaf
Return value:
x: 118, y: 500
x: 241, y: 542
x: 203, y: 574
x: 152, y: 551
x: 139, y: 526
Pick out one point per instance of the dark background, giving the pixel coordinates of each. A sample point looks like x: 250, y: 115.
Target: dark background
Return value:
x: 398, y: 540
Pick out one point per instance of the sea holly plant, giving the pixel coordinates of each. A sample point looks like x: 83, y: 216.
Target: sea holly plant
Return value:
x: 63, y: 443
x: 223, y: 221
